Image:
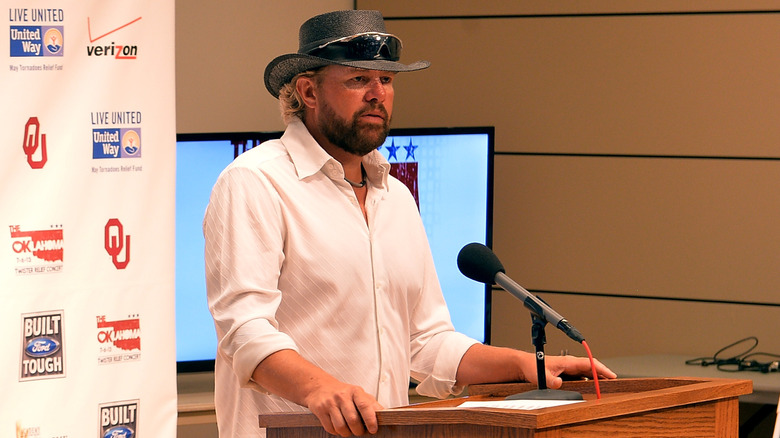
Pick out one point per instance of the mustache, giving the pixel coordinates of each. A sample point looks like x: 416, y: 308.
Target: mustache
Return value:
x: 373, y: 108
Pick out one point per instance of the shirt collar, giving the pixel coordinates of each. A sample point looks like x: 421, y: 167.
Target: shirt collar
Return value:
x: 308, y: 157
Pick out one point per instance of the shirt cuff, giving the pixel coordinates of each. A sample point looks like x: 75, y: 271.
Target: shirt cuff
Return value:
x: 441, y: 382
x: 249, y: 355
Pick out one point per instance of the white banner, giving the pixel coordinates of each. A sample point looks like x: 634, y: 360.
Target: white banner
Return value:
x: 87, y: 165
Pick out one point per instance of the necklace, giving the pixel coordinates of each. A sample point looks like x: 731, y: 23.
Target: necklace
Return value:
x: 362, y: 183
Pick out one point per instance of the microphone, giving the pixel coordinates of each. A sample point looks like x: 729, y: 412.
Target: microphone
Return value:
x: 479, y: 263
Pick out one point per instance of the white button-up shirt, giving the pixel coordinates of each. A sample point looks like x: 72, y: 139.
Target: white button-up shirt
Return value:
x: 291, y: 263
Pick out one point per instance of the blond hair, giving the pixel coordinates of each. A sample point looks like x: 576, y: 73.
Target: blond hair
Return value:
x: 290, y: 102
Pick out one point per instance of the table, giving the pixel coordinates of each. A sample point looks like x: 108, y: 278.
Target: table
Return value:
x: 766, y: 386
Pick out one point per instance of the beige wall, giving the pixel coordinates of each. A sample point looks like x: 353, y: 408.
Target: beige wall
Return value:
x: 656, y: 244
x: 222, y: 48
x: 660, y: 245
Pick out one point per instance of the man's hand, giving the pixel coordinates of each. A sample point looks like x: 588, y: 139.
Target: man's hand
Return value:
x: 489, y: 364
x: 342, y: 409
x: 555, y: 366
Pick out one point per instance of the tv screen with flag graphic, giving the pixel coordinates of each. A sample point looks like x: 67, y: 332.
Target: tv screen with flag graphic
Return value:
x: 449, y: 171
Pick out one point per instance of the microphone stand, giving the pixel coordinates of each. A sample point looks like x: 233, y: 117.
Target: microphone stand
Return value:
x: 539, y: 338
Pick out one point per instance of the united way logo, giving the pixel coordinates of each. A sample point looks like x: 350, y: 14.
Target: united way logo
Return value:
x: 119, y: 419
x: 43, y: 349
x: 37, y: 41
x: 116, y: 143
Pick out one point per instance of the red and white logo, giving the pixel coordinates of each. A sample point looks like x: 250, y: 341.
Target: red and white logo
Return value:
x: 116, y: 242
x: 37, y: 251
x: 34, y: 144
x: 119, y: 340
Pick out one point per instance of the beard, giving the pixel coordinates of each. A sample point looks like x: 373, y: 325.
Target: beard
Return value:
x: 354, y: 136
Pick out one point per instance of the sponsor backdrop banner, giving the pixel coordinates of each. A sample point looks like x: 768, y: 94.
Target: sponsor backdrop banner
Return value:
x: 87, y: 164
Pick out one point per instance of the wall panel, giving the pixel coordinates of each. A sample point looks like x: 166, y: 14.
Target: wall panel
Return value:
x: 680, y: 84
x: 626, y: 327
x: 662, y: 227
x: 437, y: 8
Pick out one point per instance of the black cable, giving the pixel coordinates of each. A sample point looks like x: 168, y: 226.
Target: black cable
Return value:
x: 743, y: 361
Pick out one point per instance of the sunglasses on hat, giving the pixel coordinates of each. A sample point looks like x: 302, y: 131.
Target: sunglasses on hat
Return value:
x: 361, y: 46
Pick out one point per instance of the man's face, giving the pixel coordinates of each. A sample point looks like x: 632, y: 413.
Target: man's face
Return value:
x: 355, y: 107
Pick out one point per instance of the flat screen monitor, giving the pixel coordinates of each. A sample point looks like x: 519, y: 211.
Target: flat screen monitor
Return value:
x: 448, y: 170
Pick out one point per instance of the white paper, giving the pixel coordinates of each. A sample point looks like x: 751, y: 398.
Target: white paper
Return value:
x: 525, y: 405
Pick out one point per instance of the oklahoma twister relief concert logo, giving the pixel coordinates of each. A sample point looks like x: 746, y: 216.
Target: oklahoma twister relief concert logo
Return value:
x: 43, y: 346
x: 119, y: 419
x: 37, y: 251
x: 119, y: 339
x: 36, y: 33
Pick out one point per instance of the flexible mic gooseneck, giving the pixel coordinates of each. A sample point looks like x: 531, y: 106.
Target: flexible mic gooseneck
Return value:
x: 479, y: 263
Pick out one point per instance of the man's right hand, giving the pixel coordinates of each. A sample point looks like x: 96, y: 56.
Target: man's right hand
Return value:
x: 342, y: 409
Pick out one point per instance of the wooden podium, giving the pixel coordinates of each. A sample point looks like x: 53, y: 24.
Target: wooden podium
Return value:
x: 654, y: 407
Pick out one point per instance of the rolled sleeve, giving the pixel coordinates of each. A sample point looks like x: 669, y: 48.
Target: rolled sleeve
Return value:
x: 441, y: 381
x: 243, y: 299
x: 253, y: 351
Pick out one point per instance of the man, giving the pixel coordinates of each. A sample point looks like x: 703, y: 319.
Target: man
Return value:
x: 317, y: 301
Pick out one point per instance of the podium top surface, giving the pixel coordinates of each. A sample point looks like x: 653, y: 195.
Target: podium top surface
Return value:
x: 619, y: 397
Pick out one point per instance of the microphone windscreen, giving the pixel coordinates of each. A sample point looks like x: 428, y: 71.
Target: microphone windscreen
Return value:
x: 477, y: 262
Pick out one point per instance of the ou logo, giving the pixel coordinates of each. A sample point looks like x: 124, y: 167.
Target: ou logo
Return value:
x: 116, y: 241
x: 33, y: 142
